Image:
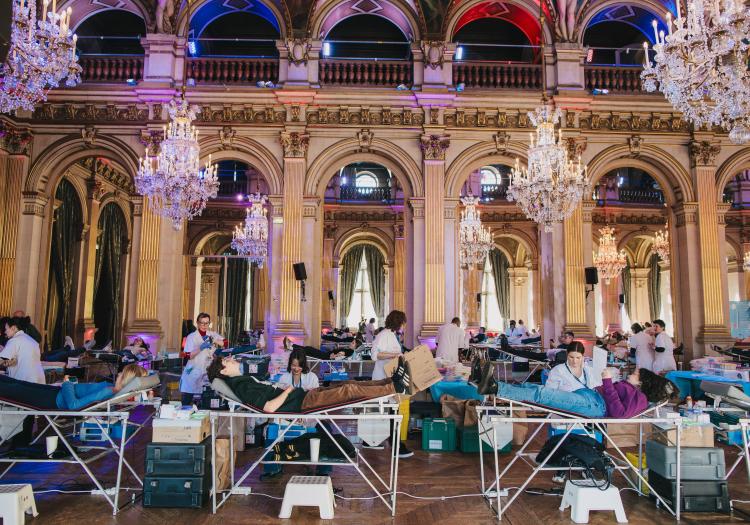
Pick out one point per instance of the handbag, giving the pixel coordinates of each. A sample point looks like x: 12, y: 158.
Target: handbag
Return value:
x: 578, y: 451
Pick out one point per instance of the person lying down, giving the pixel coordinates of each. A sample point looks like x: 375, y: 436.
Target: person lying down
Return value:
x: 622, y: 400
x: 68, y: 396
x: 267, y: 397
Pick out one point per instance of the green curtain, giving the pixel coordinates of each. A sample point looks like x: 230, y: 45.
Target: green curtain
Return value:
x: 349, y: 273
x: 626, y: 289
x: 236, y: 297
x: 108, y: 274
x: 376, y: 276
x: 66, y: 231
x: 500, y: 266
x: 654, y: 286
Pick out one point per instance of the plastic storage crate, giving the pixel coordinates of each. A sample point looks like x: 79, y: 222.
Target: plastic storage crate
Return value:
x: 696, y: 463
x: 439, y: 435
x: 695, y: 496
x: 557, y: 430
x: 89, y: 431
x: 469, y: 441
x: 168, y: 459
x: 295, y: 431
x: 176, y: 492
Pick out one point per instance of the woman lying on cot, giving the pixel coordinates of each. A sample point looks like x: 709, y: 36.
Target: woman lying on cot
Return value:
x: 68, y: 396
x: 271, y: 399
x: 621, y: 400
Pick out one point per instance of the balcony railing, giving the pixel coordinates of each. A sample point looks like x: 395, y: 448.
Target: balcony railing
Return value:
x: 616, y: 79
x: 233, y: 70
x: 494, y: 192
x: 634, y: 196
x: 497, y: 75
x: 355, y: 193
x: 378, y: 73
x: 111, y: 68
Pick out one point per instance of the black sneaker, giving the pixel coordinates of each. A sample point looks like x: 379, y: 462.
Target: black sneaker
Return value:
x: 401, y: 377
x: 404, y: 451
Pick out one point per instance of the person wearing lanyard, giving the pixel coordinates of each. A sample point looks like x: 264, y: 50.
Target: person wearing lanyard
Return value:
x: 574, y: 374
x: 298, y: 374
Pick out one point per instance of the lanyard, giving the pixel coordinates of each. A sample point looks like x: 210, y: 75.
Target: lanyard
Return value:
x: 300, y: 382
x: 585, y: 379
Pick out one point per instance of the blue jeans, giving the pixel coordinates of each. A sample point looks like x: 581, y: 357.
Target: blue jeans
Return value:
x: 73, y: 396
x: 584, y: 401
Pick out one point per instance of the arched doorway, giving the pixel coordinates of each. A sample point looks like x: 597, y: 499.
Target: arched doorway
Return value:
x: 111, y: 244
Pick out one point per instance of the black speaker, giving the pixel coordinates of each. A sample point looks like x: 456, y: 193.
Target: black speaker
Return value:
x: 299, y: 271
x: 479, y: 297
x: 621, y: 298
x: 330, y: 295
x: 592, y: 277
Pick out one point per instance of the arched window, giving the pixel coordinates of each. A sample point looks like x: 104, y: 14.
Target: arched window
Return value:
x: 365, y: 179
x: 361, y: 307
x: 616, y: 34
x: 111, y: 32
x: 366, y: 36
x: 490, y: 175
x: 491, y: 318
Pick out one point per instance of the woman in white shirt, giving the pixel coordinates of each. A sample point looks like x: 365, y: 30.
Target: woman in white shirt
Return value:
x: 386, y: 345
x: 21, y: 353
x: 298, y: 374
x: 640, y: 343
x: 199, y: 346
x: 574, y: 374
x: 664, y: 352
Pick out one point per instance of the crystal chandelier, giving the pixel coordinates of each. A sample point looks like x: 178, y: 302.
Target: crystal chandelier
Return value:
x: 552, y: 185
x: 475, y: 241
x: 251, y: 238
x: 661, y: 245
x: 174, y: 183
x: 41, y: 55
x: 608, y: 261
x: 701, y: 65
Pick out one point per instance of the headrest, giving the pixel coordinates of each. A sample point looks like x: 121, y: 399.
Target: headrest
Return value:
x: 731, y: 393
x: 140, y: 383
x: 221, y: 386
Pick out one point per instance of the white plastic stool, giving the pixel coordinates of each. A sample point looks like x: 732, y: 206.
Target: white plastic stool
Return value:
x: 309, y: 491
x: 15, y: 502
x: 585, y: 496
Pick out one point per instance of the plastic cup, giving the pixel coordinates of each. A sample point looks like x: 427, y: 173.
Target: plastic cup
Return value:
x: 314, y: 450
x: 51, y: 445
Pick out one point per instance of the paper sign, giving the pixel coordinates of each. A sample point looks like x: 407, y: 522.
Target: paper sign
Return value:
x: 599, y: 361
x: 420, y: 364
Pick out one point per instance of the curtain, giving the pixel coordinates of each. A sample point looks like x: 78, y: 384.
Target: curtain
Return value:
x: 66, y: 230
x: 626, y: 288
x: 234, y: 284
x: 500, y: 265
x: 376, y: 275
x: 108, y: 274
x: 349, y: 273
x: 654, y: 286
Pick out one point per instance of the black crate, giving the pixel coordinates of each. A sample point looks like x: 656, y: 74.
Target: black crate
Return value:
x: 173, y: 459
x: 176, y: 492
x: 695, y: 496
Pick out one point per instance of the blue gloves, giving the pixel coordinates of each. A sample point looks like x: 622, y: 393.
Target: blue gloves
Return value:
x: 205, y: 345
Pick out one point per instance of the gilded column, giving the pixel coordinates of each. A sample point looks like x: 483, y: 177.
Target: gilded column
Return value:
x: 575, y: 283
x: 715, y: 329
x: 415, y: 269
x: 721, y: 212
x: 290, y: 309
x: 452, y: 274
x: 276, y: 235
x: 14, y: 167
x: 472, y: 287
x: 260, y: 297
x: 687, y: 281
x: 587, y: 236
x: 745, y: 283
x: 433, y: 151
x: 399, y: 269
x: 611, y: 305
x: 313, y: 237
x: 26, y: 283
x: 639, y: 305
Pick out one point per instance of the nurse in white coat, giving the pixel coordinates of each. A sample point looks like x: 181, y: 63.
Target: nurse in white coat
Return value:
x: 199, y: 345
x: 640, y: 341
x: 450, y: 340
x: 664, y: 352
x: 386, y: 345
x: 22, y: 354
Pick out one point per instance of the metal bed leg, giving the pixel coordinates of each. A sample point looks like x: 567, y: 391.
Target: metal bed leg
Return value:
x: 215, y: 489
x: 123, y: 437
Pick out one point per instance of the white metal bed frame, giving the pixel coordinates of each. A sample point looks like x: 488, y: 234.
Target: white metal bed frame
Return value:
x: 387, y: 409
x: 101, y: 413
x: 494, y: 490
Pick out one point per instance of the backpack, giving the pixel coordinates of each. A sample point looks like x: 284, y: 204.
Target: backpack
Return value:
x: 578, y: 451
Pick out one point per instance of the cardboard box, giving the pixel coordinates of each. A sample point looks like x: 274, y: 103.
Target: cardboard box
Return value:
x: 422, y: 369
x: 625, y: 435
x: 181, y: 430
x: 691, y: 436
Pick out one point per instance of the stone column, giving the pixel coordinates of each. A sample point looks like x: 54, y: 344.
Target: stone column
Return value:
x: 209, y: 287
x: 399, y: 269
x: 88, y: 260
x: 472, y: 285
x: 519, y: 293
x: 327, y: 312
x: 587, y: 236
x: 171, y: 281
x: 196, y: 277
x: 687, y: 280
x: 295, y: 165
x: 260, y: 297
x: 611, y: 305
x: 715, y: 328
x: 163, y: 60
x: 639, y: 304
x: 745, y: 275
x: 666, y: 296
x: 721, y: 212
x: 575, y: 282
x: 534, y: 317
x: 276, y: 235
x: 433, y: 150
x: 13, y: 169
x: 452, y: 271
x: 416, y: 269
x: 568, y: 59
x: 552, y: 282
x: 311, y: 256
x: 26, y: 283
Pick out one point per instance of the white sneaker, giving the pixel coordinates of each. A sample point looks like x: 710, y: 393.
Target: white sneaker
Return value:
x: 559, y: 477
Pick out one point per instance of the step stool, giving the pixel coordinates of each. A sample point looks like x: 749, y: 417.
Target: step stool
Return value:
x: 15, y: 502
x: 584, y: 496
x: 309, y: 491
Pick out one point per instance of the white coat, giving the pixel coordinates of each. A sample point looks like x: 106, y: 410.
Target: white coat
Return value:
x: 644, y: 354
x: 664, y: 361
x: 194, y: 374
x: 386, y: 341
x: 25, y: 350
x: 449, y: 341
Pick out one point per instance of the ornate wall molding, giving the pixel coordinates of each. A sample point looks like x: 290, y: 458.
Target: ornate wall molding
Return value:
x: 385, y: 116
x: 703, y: 153
x: 108, y: 173
x: 364, y: 137
x: 88, y: 134
x: 333, y: 216
x: 576, y: 146
x: 634, y: 144
x: 686, y: 213
x: 91, y: 113
x: 433, y: 52
x: 299, y: 50
x: 656, y: 122
x: 434, y: 146
x: 294, y: 144
x: 34, y: 203
x: 14, y: 140
x: 502, y: 140
x: 226, y: 136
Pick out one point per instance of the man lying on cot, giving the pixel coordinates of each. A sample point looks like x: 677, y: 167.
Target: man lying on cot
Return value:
x: 331, y: 355
x: 69, y: 395
x: 621, y: 400
x: 271, y: 399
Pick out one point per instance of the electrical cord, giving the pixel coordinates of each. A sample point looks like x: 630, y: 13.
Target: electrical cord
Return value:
x: 440, y: 498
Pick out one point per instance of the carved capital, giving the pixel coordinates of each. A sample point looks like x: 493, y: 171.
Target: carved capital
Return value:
x: 433, y: 52
x: 502, y: 140
x: 703, y: 153
x: 686, y: 213
x: 294, y: 144
x: 34, y: 203
x: 576, y: 146
x: 634, y: 144
x: 96, y: 189
x: 226, y: 136
x: 398, y: 230
x: 294, y: 113
x: 364, y: 138
x: 329, y: 230
x: 434, y: 146
x: 151, y: 140
x: 299, y: 50
x: 14, y: 140
x: 417, y: 208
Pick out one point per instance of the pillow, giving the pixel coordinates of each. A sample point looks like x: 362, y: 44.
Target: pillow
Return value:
x: 140, y: 383
x: 220, y: 386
